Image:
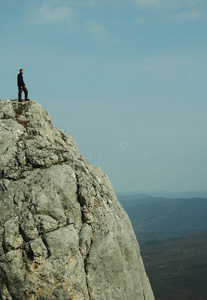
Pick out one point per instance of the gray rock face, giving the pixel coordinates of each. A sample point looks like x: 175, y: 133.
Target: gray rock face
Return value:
x: 63, y: 234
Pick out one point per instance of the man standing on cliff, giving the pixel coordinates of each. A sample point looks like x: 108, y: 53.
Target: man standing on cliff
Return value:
x: 21, y: 86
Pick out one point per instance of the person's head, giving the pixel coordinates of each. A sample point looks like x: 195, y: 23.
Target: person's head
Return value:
x: 21, y: 71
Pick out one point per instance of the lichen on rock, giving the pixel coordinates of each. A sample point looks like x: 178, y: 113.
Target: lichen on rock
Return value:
x: 63, y: 233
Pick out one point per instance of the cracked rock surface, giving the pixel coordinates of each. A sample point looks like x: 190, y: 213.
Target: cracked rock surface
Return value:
x: 63, y: 233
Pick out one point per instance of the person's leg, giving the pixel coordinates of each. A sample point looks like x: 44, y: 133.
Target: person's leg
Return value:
x: 20, y: 94
x: 25, y: 92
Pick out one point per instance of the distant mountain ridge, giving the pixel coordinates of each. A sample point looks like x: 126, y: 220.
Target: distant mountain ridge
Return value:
x: 172, y: 235
x: 166, y: 194
x: 154, y: 217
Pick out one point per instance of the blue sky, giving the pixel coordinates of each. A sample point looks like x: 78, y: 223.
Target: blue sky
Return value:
x: 126, y: 79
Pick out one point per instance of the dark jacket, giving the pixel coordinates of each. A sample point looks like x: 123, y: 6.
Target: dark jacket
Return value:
x: 20, y: 81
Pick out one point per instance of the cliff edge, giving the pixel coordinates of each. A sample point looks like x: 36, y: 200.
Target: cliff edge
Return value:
x: 63, y: 233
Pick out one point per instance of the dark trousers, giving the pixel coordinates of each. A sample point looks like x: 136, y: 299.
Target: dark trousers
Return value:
x: 25, y: 90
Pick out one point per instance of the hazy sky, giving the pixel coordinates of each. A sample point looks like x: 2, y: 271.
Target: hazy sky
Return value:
x: 126, y: 79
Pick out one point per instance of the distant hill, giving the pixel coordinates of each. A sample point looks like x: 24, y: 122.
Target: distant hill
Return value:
x: 172, y: 234
x: 154, y: 217
x: 183, y: 194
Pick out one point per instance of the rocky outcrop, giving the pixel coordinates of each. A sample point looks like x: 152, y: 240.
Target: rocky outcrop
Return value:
x: 63, y: 234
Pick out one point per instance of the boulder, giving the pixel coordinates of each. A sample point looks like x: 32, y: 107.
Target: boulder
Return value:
x: 63, y: 233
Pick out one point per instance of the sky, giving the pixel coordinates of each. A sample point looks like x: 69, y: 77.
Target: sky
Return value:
x: 125, y: 78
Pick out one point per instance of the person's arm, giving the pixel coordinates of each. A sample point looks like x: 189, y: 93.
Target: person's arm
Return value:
x: 20, y: 81
x: 23, y: 84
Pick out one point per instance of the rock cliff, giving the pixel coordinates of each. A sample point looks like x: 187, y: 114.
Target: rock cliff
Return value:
x: 63, y: 234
